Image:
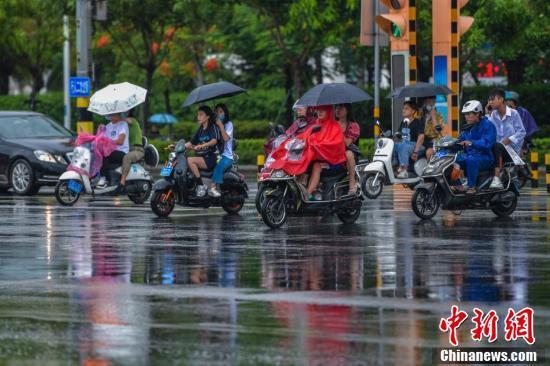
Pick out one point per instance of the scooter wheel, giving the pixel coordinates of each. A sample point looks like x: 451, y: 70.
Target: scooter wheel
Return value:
x: 423, y: 205
x: 503, y: 209
x: 64, y: 195
x: 232, y: 201
x: 350, y: 215
x: 141, y: 197
x: 163, y: 202
x: 370, y: 188
x: 274, y: 211
x: 260, y: 197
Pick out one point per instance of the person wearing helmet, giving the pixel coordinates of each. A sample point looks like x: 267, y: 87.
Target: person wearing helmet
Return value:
x: 304, y: 119
x: 510, y: 131
x: 529, y: 123
x: 478, y: 138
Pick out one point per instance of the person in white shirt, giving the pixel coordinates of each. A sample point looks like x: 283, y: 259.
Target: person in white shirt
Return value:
x: 510, y: 131
x: 116, y: 130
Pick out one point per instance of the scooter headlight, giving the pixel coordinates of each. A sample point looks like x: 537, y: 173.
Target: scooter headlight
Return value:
x: 381, y: 143
x: 434, y: 166
x: 278, y: 173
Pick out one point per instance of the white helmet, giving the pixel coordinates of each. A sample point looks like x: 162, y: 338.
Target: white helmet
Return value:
x: 297, y: 106
x: 472, y: 106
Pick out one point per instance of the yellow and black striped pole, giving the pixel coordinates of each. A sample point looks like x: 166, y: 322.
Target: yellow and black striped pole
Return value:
x: 454, y: 67
x: 260, y: 161
x: 376, y: 115
x: 547, y: 163
x: 84, y: 122
x: 413, y: 73
x: 534, y: 170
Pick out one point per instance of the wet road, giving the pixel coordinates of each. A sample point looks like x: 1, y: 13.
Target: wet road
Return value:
x: 108, y: 283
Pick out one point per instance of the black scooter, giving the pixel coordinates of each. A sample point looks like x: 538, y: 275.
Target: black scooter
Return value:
x: 435, y: 190
x: 178, y: 186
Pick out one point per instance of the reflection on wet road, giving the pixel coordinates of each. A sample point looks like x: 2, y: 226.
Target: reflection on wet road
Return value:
x: 108, y: 283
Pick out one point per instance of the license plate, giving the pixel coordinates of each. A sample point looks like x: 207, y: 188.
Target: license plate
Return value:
x: 166, y: 171
x: 75, y: 186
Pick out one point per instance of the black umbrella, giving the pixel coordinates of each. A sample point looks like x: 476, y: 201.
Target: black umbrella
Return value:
x: 212, y: 91
x: 419, y: 90
x: 333, y: 93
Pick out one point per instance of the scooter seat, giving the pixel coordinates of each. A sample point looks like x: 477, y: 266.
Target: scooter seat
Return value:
x: 206, y: 174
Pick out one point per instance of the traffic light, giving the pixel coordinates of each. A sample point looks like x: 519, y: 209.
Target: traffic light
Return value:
x: 400, y: 24
x: 395, y: 23
x: 447, y: 27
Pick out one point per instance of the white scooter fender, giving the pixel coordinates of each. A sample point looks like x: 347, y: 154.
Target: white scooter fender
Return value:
x: 70, y: 175
x: 376, y: 167
x: 137, y: 172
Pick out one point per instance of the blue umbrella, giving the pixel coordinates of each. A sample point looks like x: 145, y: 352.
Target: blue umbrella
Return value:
x: 163, y: 118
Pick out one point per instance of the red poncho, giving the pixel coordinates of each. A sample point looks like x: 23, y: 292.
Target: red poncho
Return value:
x: 326, y: 145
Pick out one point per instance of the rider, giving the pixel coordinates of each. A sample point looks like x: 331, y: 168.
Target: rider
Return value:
x: 116, y: 130
x: 412, y: 138
x: 351, y: 129
x: 510, y: 131
x: 330, y: 133
x: 205, y: 145
x: 529, y: 123
x: 433, y: 120
x: 478, y: 138
x: 304, y: 119
x: 136, y: 146
x: 224, y: 124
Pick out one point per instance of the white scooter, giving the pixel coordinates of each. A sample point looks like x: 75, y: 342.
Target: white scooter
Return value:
x: 380, y: 171
x: 76, y: 180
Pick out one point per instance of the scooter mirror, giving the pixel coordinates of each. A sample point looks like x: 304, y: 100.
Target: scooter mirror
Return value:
x: 180, y: 146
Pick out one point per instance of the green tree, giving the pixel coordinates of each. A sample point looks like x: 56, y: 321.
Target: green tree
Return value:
x: 141, y: 32
x: 515, y: 31
x: 34, y: 39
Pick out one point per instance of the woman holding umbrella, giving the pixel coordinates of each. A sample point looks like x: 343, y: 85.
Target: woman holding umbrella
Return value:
x: 225, y: 126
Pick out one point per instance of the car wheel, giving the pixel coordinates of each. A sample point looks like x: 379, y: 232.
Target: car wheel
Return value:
x: 22, y: 178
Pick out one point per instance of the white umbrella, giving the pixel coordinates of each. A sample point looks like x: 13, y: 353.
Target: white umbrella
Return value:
x: 116, y: 98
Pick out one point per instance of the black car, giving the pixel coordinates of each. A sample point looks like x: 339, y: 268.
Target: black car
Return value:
x: 34, y: 151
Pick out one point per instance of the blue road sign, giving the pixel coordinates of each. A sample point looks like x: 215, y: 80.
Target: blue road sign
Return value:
x: 80, y: 86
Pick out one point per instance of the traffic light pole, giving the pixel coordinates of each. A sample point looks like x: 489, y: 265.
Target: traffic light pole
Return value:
x: 83, y: 39
x: 376, y: 111
x: 399, y: 77
x: 66, y: 73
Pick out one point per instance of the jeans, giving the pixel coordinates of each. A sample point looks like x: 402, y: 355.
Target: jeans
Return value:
x: 472, y: 165
x: 224, y: 164
x: 404, y: 151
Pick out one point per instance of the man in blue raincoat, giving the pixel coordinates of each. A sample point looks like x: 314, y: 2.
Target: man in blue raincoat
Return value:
x: 478, y: 138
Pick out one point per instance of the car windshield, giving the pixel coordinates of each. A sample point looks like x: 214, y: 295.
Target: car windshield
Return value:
x: 18, y: 127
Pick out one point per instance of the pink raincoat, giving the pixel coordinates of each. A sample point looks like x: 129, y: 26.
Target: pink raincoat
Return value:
x: 102, y: 146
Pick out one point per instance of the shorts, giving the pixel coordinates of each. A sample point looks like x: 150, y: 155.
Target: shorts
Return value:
x: 210, y: 160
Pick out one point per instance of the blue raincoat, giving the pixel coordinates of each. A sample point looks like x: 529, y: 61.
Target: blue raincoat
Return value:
x: 479, y: 156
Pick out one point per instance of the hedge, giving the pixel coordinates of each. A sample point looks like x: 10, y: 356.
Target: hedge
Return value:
x: 249, y: 149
